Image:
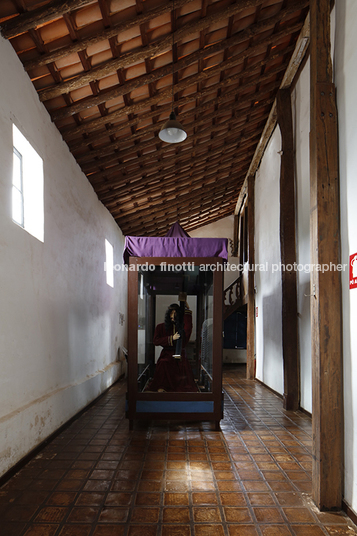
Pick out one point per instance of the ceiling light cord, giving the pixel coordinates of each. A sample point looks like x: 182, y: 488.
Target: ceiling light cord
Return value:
x: 173, y: 57
x: 172, y: 131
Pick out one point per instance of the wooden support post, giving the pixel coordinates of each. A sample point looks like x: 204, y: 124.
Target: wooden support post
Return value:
x: 235, y: 235
x: 326, y: 346
x: 288, y: 254
x: 251, y: 299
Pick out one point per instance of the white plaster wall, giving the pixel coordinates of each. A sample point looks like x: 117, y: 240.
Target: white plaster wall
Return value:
x: 223, y: 228
x: 59, y: 320
x: 219, y: 229
x: 269, y: 360
x: 345, y: 61
x: 300, y: 99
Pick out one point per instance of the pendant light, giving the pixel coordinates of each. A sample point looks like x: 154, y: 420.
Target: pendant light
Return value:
x: 172, y: 131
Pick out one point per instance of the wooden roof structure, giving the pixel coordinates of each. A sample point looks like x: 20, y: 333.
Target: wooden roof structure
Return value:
x: 109, y: 72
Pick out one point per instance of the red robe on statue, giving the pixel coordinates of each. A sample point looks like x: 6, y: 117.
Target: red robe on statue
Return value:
x: 171, y: 374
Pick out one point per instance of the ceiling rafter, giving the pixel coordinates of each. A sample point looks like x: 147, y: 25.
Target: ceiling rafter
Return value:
x: 107, y: 196
x: 103, y: 152
x: 112, y: 173
x: 168, y: 217
x: 108, y: 73
x: 159, y: 206
x: 85, y: 127
x: 32, y: 19
x: 108, y: 33
x: 110, y: 66
x: 152, y: 158
x: 94, y: 129
x: 133, y: 57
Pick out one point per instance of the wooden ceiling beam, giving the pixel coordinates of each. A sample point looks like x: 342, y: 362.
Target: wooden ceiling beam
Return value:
x: 152, y: 159
x: 119, y: 185
x: 98, y: 177
x: 129, y: 181
x: 218, y: 77
x: 108, y: 33
x: 170, y: 196
x: 179, y: 209
x: 188, y: 222
x: 126, y: 155
x: 97, y: 135
x: 36, y: 17
x: 112, y: 200
x: 206, y: 176
x: 113, y: 65
x: 135, y: 108
x: 188, y: 198
x: 124, y: 144
x: 130, y: 188
x: 130, y: 58
x: 90, y: 127
x: 194, y: 196
x: 108, y: 95
x: 192, y: 211
x: 150, y: 225
x: 196, y: 192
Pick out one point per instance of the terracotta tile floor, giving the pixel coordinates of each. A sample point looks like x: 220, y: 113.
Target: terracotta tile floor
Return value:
x: 173, y: 479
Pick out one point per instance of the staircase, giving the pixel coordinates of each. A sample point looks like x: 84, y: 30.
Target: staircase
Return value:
x: 234, y: 297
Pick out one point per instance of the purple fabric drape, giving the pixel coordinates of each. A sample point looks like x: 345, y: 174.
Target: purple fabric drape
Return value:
x: 136, y: 246
x: 176, y: 243
x: 176, y: 230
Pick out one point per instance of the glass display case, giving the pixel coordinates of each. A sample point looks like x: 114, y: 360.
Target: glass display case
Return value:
x: 175, y: 339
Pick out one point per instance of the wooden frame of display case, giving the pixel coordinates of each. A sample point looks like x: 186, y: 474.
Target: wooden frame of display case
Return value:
x: 186, y: 406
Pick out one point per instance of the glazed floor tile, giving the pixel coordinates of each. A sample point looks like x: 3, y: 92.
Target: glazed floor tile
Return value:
x: 98, y: 478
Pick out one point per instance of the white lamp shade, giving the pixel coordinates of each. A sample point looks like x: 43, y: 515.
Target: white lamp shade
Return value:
x: 172, y: 131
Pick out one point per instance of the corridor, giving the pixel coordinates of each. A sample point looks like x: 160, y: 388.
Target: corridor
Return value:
x: 97, y: 478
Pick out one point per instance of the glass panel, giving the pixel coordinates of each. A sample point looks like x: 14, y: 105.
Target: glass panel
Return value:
x: 17, y: 170
x: 29, y: 166
x: 206, y: 377
x: 17, y: 194
x: 17, y: 207
x: 175, y: 326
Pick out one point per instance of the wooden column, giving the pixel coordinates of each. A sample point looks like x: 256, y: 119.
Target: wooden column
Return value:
x: 251, y: 299
x: 235, y: 235
x: 326, y: 346
x: 288, y: 254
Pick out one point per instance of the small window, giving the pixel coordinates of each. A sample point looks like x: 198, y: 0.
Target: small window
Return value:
x: 27, y: 186
x: 109, y: 263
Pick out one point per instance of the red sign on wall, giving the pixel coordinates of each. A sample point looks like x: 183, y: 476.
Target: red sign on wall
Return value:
x: 353, y: 271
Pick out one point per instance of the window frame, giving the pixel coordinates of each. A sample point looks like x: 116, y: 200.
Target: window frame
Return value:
x: 20, y: 189
x: 29, y: 190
